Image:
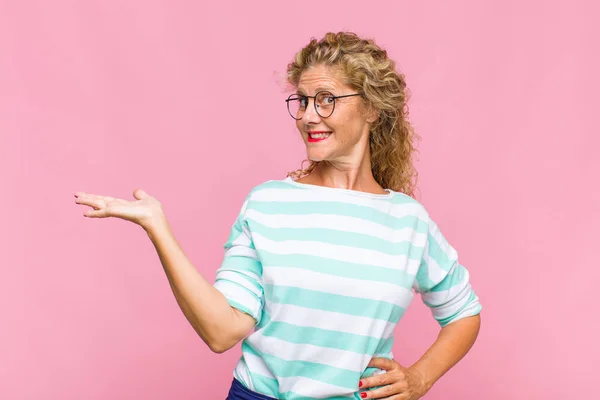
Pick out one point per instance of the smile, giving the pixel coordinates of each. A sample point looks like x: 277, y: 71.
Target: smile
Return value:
x: 318, y: 136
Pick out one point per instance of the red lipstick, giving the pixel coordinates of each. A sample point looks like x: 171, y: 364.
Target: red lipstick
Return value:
x: 318, y: 136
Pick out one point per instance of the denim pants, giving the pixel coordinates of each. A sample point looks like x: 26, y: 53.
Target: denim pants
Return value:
x: 240, y: 392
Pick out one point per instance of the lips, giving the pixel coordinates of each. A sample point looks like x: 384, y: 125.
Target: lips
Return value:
x: 318, y: 136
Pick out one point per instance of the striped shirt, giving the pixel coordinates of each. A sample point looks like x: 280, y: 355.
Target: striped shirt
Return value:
x: 327, y: 273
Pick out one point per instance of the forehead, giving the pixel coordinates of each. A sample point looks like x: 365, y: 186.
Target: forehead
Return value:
x: 321, y: 77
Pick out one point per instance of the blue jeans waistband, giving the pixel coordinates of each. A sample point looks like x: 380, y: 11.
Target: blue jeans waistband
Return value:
x: 240, y: 392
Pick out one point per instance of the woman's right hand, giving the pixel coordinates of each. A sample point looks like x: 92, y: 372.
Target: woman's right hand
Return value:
x: 146, y: 211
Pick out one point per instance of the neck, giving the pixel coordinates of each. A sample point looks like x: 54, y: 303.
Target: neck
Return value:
x: 352, y: 176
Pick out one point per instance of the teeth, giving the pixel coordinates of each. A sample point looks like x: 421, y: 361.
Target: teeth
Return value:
x: 319, y: 135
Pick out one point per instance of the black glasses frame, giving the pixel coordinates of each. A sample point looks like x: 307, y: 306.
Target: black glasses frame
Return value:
x: 296, y: 96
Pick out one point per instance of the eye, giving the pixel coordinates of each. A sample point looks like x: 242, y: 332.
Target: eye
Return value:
x: 303, y: 101
x: 325, y: 99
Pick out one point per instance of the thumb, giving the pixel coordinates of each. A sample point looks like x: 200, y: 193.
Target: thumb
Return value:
x: 139, y: 194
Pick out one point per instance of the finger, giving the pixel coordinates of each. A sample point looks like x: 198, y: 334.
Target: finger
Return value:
x: 91, y: 202
x: 92, y: 196
x: 96, y: 213
x: 378, y: 380
x: 85, y: 195
x: 140, y: 194
x: 383, y: 363
x: 384, y: 392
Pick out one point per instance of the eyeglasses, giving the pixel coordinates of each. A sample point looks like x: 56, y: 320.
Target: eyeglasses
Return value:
x: 324, y: 103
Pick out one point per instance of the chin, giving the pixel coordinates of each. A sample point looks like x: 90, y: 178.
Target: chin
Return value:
x: 313, y: 156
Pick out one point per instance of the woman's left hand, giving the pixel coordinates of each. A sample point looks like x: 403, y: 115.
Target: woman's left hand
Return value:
x: 398, y: 382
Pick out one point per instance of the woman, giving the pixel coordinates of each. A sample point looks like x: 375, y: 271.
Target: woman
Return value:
x: 320, y: 266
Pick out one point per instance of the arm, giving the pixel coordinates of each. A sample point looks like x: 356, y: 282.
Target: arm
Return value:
x: 452, y: 344
x: 204, y: 305
x: 218, y: 324
x: 445, y: 288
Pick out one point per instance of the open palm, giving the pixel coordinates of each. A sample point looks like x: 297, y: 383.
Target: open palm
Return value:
x: 142, y: 211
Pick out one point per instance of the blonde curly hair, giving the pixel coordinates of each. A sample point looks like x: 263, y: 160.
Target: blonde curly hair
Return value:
x: 369, y: 71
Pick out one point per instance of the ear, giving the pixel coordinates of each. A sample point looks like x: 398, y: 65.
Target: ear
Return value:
x: 372, y: 115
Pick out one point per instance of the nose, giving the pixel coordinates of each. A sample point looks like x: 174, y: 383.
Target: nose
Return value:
x: 310, y: 114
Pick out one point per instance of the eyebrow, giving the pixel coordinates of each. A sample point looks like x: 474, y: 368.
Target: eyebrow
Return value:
x: 319, y: 89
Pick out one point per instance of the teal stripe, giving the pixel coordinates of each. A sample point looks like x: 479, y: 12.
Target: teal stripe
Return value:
x: 276, y: 184
x: 472, y: 297
x: 451, y: 280
x: 265, y: 318
x: 332, y: 302
x: 235, y: 233
x: 341, y: 209
x: 265, y: 385
x: 338, y: 237
x: 296, y: 396
x: 339, y: 268
x: 316, y: 371
x: 439, y: 255
x: 385, y: 346
x: 239, y: 288
x: 401, y: 198
x: 423, y: 281
x: 322, y: 337
x: 240, y: 265
x: 243, y: 308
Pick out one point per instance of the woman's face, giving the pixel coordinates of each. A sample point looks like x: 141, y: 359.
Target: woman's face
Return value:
x: 342, y: 137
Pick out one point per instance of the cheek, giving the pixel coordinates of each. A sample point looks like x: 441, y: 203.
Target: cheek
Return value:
x: 349, y: 129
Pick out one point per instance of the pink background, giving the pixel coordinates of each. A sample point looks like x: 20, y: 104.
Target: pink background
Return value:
x: 184, y: 100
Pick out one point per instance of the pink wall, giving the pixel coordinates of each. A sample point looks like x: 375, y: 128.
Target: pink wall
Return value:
x: 183, y: 100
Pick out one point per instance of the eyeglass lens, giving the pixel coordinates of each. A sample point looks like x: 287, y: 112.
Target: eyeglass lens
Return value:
x: 324, y: 104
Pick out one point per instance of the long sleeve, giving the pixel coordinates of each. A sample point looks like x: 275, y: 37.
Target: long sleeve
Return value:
x: 443, y: 282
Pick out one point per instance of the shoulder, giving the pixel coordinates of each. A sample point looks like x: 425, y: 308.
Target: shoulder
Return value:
x: 285, y: 183
x: 272, y: 187
x: 270, y: 190
x: 410, y: 205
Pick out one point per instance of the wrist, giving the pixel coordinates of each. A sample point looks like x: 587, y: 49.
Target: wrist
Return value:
x: 426, y: 380
x: 155, y: 224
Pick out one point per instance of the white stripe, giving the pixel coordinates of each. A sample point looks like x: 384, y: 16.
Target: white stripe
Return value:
x: 441, y: 241
x: 434, y: 271
x: 329, y: 320
x: 335, y: 252
x: 241, y: 251
x: 242, y: 296
x: 340, y: 223
x: 297, y: 384
x: 257, y: 365
x: 241, y: 278
x: 443, y: 296
x: 243, y: 238
x: 313, y: 388
x: 469, y: 311
x: 410, y: 208
x: 242, y: 374
x: 307, y: 352
x: 250, y: 275
x: 244, y: 206
x: 450, y: 305
x: 331, y: 284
